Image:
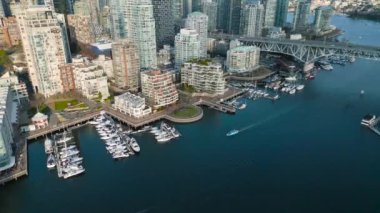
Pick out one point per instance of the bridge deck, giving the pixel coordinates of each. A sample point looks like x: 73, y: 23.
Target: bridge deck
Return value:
x: 313, y: 43
x: 305, y: 51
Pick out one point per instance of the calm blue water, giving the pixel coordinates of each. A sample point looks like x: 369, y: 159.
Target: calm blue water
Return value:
x: 304, y: 153
x: 358, y: 31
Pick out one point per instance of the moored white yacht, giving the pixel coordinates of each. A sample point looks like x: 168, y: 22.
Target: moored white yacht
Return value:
x: 48, y: 146
x: 50, y: 164
x: 300, y: 87
x: 133, y: 143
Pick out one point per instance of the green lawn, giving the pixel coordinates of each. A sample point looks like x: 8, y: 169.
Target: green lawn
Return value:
x: 82, y: 105
x: 186, y: 112
x: 61, y: 105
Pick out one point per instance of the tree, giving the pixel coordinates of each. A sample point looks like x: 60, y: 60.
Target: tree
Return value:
x: 5, y: 61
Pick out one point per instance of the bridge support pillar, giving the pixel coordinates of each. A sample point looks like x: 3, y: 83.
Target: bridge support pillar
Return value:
x: 308, y: 66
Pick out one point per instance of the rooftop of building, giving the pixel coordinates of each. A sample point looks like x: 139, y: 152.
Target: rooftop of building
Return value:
x: 204, y: 62
x: 154, y: 72
x: 188, y: 31
x: 39, y: 116
x: 5, y: 74
x: 132, y: 99
x: 102, y: 58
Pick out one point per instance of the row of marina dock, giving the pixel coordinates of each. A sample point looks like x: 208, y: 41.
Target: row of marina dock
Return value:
x: 374, y: 128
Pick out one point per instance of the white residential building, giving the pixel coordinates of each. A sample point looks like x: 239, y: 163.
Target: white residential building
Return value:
x: 90, y: 80
x: 199, y: 22
x: 45, y: 43
x: 142, y: 31
x: 7, y: 159
x: 132, y: 105
x: 205, y: 77
x: 187, y: 46
x: 243, y: 59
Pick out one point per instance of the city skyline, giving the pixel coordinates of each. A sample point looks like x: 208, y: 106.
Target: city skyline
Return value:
x: 167, y: 102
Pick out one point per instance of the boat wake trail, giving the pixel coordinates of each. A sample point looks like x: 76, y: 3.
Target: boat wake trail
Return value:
x: 270, y: 118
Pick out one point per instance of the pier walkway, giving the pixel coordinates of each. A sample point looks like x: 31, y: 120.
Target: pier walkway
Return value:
x: 218, y: 106
x: 136, y: 122
x: 64, y: 125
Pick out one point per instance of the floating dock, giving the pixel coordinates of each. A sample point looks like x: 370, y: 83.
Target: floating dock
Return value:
x: 373, y: 126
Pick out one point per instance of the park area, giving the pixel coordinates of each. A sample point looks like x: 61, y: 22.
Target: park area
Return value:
x: 187, y: 112
x: 68, y: 104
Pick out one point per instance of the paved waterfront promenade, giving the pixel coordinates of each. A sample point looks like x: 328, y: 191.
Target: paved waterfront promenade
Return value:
x: 21, y: 163
x: 212, y: 102
x: 61, y: 126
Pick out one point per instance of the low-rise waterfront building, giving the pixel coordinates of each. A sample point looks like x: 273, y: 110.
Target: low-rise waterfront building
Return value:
x: 40, y: 120
x: 7, y: 158
x: 158, y: 87
x: 243, y: 59
x: 132, y: 105
x: 204, y: 76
